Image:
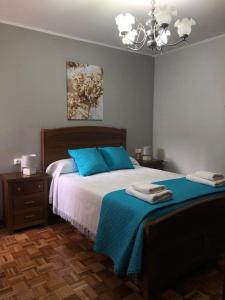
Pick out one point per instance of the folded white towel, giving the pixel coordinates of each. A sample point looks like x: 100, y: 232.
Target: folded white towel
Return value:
x: 151, y: 198
x: 217, y: 183
x: 148, y: 188
x: 209, y: 175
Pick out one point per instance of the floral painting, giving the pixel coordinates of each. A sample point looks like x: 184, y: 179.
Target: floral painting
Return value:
x: 84, y: 91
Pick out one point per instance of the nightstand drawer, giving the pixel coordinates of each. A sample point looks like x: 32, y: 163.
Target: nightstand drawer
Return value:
x: 38, y: 186
x: 24, y: 188
x: 28, y: 216
x: 22, y: 203
x: 25, y: 200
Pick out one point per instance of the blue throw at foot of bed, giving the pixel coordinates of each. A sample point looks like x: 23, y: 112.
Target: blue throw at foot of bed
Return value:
x: 122, y: 219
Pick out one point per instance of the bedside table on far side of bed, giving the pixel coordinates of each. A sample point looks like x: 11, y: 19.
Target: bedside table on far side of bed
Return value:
x: 153, y: 163
x: 25, y: 200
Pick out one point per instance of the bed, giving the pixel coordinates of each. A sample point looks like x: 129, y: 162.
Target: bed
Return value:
x: 173, y: 244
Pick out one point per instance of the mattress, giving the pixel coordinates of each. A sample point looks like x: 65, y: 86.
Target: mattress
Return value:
x: 78, y: 199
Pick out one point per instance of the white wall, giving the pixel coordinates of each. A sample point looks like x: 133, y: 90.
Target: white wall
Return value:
x: 189, y: 107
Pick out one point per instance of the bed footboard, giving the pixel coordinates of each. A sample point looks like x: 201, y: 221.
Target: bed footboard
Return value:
x: 181, y: 241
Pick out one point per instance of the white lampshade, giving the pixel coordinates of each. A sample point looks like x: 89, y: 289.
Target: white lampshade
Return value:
x: 124, y: 23
x: 129, y: 38
x: 164, y: 14
x: 146, y: 150
x: 162, y: 38
x: 138, y: 150
x: 184, y: 26
x: 29, y: 161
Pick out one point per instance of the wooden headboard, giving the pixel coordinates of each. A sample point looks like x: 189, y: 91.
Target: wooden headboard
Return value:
x: 56, y: 142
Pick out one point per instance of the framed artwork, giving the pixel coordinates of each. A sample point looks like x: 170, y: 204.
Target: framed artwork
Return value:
x: 84, y: 91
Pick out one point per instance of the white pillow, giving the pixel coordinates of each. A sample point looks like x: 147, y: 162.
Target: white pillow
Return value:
x: 134, y: 162
x: 62, y: 166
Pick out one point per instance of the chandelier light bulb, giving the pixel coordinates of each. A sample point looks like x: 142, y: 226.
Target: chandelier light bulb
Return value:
x: 129, y: 38
x: 162, y: 38
x: 124, y: 23
x: 164, y: 14
x: 184, y: 26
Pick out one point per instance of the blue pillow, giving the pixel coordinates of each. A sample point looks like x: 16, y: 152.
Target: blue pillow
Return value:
x: 89, y: 161
x: 116, y: 158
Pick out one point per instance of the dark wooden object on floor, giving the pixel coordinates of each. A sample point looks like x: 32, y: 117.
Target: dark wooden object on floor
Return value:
x: 25, y: 200
x: 174, y: 244
x: 153, y: 163
x: 181, y: 241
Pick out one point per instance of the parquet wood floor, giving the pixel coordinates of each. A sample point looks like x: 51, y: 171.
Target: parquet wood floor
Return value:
x: 57, y: 262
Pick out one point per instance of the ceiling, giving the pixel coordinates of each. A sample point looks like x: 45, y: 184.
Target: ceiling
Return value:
x: 93, y: 20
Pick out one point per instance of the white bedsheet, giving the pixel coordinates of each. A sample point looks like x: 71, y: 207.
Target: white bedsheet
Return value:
x: 78, y: 199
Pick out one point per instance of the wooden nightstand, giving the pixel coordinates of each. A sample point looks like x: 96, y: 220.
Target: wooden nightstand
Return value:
x: 153, y: 163
x: 25, y: 200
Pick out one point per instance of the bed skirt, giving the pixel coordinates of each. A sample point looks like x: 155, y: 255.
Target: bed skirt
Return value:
x: 73, y: 222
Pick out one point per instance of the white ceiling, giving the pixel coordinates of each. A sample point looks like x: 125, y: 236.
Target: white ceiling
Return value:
x: 93, y: 20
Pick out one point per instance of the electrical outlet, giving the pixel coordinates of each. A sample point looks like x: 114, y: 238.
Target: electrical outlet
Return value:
x: 17, y: 161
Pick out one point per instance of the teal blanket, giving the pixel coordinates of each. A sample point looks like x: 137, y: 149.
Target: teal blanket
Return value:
x: 122, y: 219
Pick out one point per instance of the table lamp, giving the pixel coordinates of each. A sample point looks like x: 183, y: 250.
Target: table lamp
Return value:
x: 146, y: 153
x: 138, y: 152
x: 29, y: 164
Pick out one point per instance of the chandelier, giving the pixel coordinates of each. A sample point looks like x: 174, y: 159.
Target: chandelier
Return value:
x: 155, y: 33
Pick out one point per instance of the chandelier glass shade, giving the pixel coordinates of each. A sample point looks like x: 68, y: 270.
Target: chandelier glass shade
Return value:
x: 155, y: 33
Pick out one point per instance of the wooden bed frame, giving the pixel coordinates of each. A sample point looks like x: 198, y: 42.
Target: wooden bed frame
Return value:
x: 174, y: 244
x: 56, y: 142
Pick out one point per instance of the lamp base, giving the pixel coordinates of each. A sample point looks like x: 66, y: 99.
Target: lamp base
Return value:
x: 29, y: 171
x: 146, y: 157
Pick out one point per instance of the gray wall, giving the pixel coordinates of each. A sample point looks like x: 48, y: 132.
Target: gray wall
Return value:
x: 189, y: 107
x: 33, y: 90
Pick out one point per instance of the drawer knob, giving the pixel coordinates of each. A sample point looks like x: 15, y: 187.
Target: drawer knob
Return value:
x: 18, y: 189
x: 29, y: 216
x: 39, y: 186
x: 29, y: 202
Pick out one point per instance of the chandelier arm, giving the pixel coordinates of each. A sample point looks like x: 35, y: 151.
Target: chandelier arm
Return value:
x: 183, y: 40
x: 139, y: 43
x: 136, y: 47
x: 139, y: 31
x: 142, y: 42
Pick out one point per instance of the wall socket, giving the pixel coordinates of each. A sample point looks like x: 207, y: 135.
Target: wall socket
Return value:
x: 17, y: 161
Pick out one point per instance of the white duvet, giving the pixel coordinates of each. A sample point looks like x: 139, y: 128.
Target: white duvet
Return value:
x: 78, y: 199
